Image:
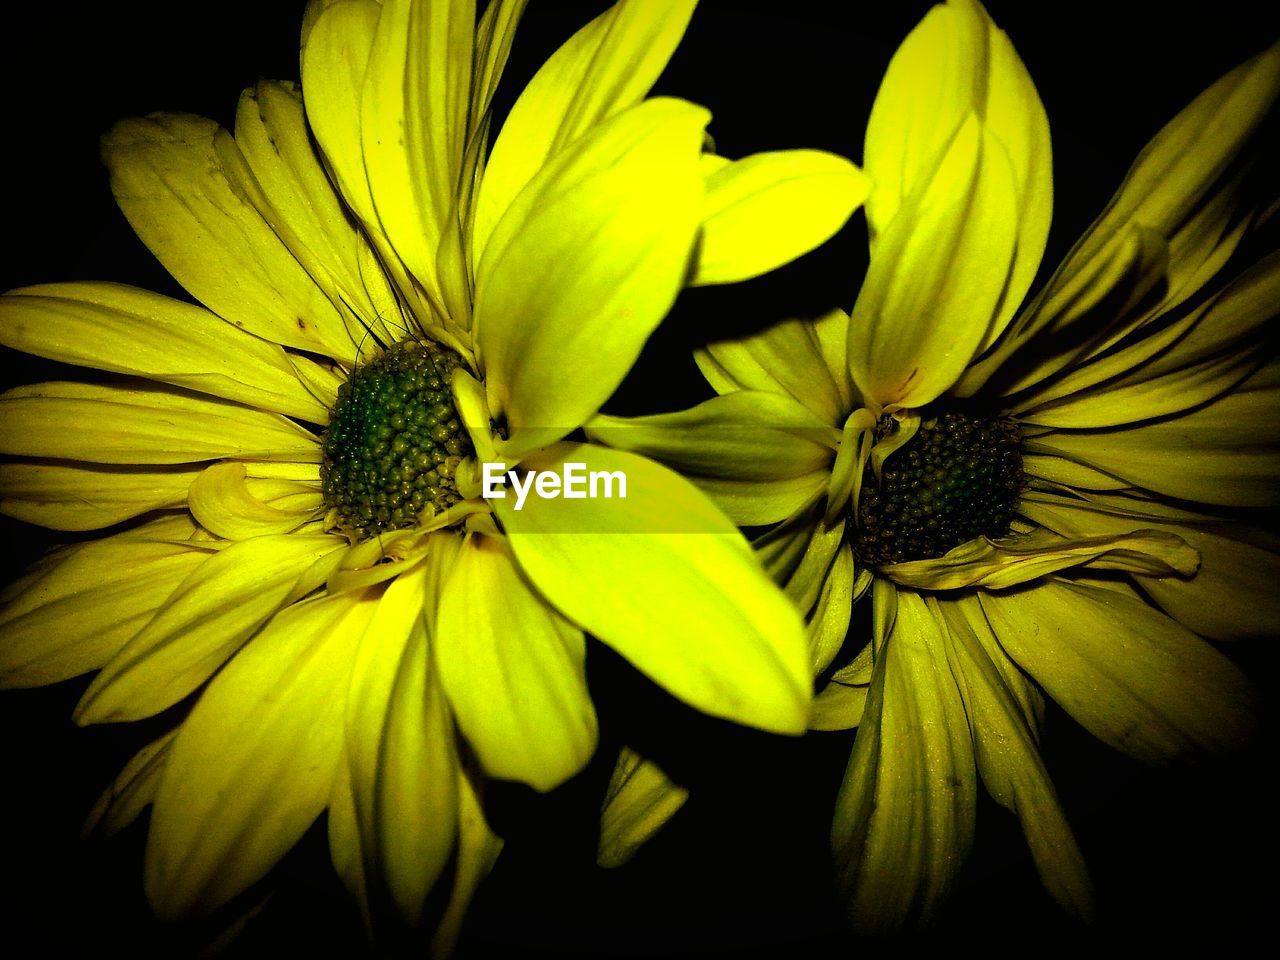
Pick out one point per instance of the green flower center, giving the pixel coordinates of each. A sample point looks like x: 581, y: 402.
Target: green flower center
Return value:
x: 394, y: 440
x: 958, y: 478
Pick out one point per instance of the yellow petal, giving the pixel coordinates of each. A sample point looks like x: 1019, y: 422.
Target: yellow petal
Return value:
x: 1005, y: 748
x: 336, y: 43
x: 514, y: 670
x: 746, y: 435
x: 638, y: 803
x: 478, y: 849
x: 1226, y: 452
x: 1018, y: 558
x: 607, y: 229
x: 663, y: 578
x: 304, y: 208
x: 132, y: 791
x: 769, y: 208
x: 254, y: 763
x: 1185, y: 190
x: 413, y: 123
x: 175, y: 178
x: 807, y: 361
x: 206, y: 619
x: 121, y: 329
x: 829, y: 619
x: 954, y: 63
x: 68, y: 496
x: 751, y: 503
x: 1179, y: 366
x: 1231, y: 596
x: 606, y: 67
x: 939, y: 274
x: 222, y: 500
x: 905, y: 813
x: 86, y: 601
x: 400, y: 750
x: 142, y: 424
x: 1129, y: 674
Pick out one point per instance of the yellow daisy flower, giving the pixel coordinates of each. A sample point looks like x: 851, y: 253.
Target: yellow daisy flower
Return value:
x: 304, y: 549
x: 1041, y: 501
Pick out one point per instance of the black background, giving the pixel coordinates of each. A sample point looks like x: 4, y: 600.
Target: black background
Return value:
x: 1180, y: 857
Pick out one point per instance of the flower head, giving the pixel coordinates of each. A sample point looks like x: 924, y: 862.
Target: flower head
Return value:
x: 306, y: 560
x: 1040, y: 499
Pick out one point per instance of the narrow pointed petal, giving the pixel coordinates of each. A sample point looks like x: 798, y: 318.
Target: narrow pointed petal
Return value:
x: 68, y: 496
x: 413, y: 121
x: 1015, y: 559
x: 796, y: 358
x: 142, y: 424
x: 84, y: 602
x: 109, y: 326
x: 132, y: 791
x: 225, y: 503
x: 303, y: 206
x: 1004, y: 742
x: 747, y: 435
x: 1231, y: 596
x: 1226, y: 452
x: 1186, y: 189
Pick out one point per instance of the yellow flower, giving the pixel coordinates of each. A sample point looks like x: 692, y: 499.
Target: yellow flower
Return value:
x: 305, y: 559
x: 1046, y: 501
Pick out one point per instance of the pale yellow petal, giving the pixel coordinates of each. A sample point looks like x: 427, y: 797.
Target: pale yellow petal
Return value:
x: 142, y: 424
x: 175, y: 177
x: 206, y: 619
x: 796, y: 358
x: 132, y: 791
x: 122, y: 329
x: 85, y: 602
x: 69, y: 496
x: 225, y: 503
x: 1014, y: 559
x: 254, y: 763
x: 662, y: 577
x: 1231, y: 596
x: 954, y: 63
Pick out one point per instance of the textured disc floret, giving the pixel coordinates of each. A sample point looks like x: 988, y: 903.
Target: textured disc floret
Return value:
x: 394, y: 440
x: 958, y: 478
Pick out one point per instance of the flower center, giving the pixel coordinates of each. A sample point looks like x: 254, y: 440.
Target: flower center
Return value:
x: 958, y: 478
x: 394, y: 440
